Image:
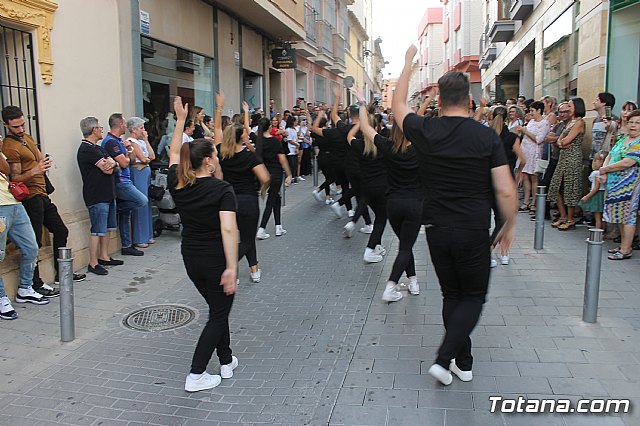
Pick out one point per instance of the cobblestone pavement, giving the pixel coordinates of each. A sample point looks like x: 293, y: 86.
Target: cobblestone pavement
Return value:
x: 317, y: 345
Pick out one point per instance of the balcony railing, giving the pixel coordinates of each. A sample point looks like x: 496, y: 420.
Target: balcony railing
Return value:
x: 323, y: 37
x: 310, y: 22
x: 339, y: 49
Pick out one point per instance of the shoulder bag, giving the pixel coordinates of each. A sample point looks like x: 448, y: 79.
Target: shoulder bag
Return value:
x: 18, y: 189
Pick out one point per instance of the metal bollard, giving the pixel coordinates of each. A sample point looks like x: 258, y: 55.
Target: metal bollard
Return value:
x: 283, y: 190
x: 541, y: 200
x: 65, y: 271
x: 315, y: 171
x: 592, y: 278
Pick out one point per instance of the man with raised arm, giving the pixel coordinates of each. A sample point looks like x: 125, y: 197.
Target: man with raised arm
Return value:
x: 462, y: 168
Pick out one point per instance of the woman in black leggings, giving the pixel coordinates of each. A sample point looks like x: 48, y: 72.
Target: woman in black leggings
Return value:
x: 271, y: 153
x: 209, y: 245
x: 241, y: 167
x: 404, y: 202
x: 374, y: 185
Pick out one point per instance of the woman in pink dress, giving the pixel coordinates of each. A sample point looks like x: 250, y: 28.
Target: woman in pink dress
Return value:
x: 532, y: 137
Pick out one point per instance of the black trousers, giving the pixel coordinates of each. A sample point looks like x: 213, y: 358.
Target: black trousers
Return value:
x: 376, y: 198
x: 293, y: 164
x: 405, y: 216
x: 43, y: 212
x: 205, y: 275
x: 461, y: 260
x: 305, y: 161
x: 247, y: 218
x: 340, y: 170
x: 324, y: 163
x: 546, y: 181
x: 274, y: 201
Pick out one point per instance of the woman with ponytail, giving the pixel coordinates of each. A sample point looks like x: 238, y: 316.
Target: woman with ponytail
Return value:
x: 403, y: 203
x: 240, y: 167
x: 209, y: 248
x: 271, y: 152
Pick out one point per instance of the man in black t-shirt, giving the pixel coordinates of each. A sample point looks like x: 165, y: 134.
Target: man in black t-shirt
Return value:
x: 462, y: 168
x: 97, y: 168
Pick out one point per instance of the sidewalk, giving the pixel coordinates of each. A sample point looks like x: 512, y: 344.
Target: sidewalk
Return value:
x: 317, y: 345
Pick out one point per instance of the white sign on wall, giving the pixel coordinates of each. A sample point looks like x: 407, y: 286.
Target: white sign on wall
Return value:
x: 144, y: 23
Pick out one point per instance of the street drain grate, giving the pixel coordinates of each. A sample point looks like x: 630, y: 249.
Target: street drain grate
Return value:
x: 159, y: 317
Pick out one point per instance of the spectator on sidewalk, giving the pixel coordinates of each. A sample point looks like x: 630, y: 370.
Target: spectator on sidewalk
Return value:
x: 141, y: 221
x: 28, y: 165
x: 551, y: 139
x: 98, y: 191
x: 462, y: 167
x: 621, y: 174
x: 128, y: 197
x: 15, y: 224
x: 604, y: 127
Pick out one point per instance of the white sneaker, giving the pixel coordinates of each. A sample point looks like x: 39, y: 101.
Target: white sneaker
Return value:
x: 414, y: 287
x: 318, y: 195
x: 367, y: 229
x: 333, y: 188
x: 493, y: 263
x: 262, y: 235
x: 329, y: 201
x: 301, y: 178
x: 6, y: 309
x: 351, y: 213
x: 443, y: 376
x: 338, y: 210
x: 29, y: 295
x: 380, y: 250
x: 504, y: 260
x: 205, y: 381
x: 348, y: 229
x: 280, y: 231
x: 371, y: 257
x: 255, y: 276
x: 390, y: 294
x: 402, y: 287
x: 465, y: 376
x: 226, y: 371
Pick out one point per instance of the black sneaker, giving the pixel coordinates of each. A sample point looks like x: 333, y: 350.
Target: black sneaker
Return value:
x: 48, y: 291
x: 131, y: 251
x: 110, y: 262
x: 98, y: 270
x: 76, y: 278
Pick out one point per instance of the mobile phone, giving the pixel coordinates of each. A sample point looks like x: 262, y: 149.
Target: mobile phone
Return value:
x: 607, y: 112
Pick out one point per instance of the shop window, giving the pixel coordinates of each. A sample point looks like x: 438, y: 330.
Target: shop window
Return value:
x: 558, y: 46
x: 168, y: 71
x: 17, y: 76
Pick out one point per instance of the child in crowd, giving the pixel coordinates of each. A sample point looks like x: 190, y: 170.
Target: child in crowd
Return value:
x: 594, y: 200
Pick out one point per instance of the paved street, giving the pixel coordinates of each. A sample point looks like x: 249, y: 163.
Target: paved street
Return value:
x: 317, y: 345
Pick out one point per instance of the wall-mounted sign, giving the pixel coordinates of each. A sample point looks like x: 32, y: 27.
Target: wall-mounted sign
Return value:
x: 144, y: 23
x: 283, y: 58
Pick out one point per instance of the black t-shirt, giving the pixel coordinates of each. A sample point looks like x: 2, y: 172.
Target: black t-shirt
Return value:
x: 270, y: 148
x: 335, y: 143
x: 199, y: 206
x: 373, y: 169
x: 508, y: 140
x: 198, y: 132
x: 238, y: 171
x: 455, y: 157
x: 403, y: 178
x: 97, y: 187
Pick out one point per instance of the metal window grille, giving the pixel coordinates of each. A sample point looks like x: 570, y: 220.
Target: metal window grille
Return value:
x: 17, y: 76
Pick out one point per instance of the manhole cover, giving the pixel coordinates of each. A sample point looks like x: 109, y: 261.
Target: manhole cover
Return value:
x: 159, y: 317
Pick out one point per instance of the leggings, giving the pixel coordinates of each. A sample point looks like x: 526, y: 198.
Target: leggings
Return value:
x: 274, y: 201
x: 247, y: 217
x: 293, y: 164
x: 215, y: 335
x: 405, y: 218
x: 341, y: 179
x: 324, y: 164
x: 376, y: 199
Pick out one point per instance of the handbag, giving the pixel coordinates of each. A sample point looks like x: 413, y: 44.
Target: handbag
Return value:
x: 156, y: 192
x: 541, y: 165
x: 48, y: 185
x: 18, y: 189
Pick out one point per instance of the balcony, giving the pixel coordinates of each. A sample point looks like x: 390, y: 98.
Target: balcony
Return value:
x: 308, y: 46
x: 490, y: 52
x: 521, y: 9
x: 339, y: 65
x: 483, y: 64
x: 501, y: 31
x: 324, y: 43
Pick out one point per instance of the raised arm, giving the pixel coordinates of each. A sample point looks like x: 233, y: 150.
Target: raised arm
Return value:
x: 247, y: 126
x: 336, y: 101
x: 315, y: 126
x: 217, y: 118
x: 176, y: 140
x: 399, y: 104
x: 427, y: 101
x: 480, y: 110
x: 352, y: 133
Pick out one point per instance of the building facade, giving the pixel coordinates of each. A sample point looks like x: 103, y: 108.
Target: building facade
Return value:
x: 431, y: 48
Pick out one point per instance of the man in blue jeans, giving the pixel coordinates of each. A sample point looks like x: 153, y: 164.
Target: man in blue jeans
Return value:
x: 127, y: 195
x: 15, y: 224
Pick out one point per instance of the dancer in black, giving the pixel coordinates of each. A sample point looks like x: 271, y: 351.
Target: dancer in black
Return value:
x: 325, y: 160
x: 241, y: 168
x: 404, y: 202
x: 462, y: 167
x: 270, y: 151
x: 207, y: 208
